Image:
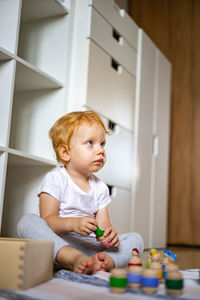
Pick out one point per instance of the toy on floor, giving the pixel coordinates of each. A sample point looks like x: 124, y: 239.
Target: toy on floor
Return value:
x: 148, y: 279
x: 155, y: 255
x: 169, y: 268
x: 165, y: 259
x: 174, y: 283
x: 148, y: 263
x: 118, y: 281
x: 155, y: 265
x: 134, y: 277
x: 102, y: 239
x: 135, y: 259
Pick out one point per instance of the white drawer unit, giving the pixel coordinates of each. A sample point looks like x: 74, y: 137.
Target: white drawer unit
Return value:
x: 119, y: 152
x: 110, y: 88
x: 108, y: 38
x: 103, y: 73
x: 118, y: 18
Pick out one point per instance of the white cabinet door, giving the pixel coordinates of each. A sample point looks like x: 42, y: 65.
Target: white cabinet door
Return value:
x: 120, y: 210
x: 143, y: 136
x: 161, y: 131
x: 151, y: 144
x: 119, y: 156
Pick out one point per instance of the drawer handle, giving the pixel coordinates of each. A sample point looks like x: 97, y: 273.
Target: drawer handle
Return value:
x: 112, y: 190
x: 117, y: 67
x: 117, y: 37
x: 111, y: 125
x: 120, y: 11
x: 155, y: 145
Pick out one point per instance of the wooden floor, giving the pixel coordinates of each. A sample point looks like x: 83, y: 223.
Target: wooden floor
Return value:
x: 187, y: 257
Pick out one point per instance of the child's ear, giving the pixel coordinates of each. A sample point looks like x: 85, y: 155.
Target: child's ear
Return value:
x: 64, y: 152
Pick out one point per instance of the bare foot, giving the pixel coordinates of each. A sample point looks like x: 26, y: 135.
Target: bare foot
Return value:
x: 84, y: 264
x: 100, y: 262
x: 78, y: 262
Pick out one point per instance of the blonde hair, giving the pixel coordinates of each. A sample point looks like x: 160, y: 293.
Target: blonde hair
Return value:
x: 63, y: 129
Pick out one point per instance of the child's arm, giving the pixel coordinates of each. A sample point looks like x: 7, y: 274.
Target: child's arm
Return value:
x: 49, y: 210
x: 104, y: 223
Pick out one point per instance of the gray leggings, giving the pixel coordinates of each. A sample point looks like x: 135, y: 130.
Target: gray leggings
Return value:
x: 32, y: 226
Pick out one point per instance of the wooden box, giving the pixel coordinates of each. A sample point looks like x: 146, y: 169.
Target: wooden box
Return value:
x: 25, y: 263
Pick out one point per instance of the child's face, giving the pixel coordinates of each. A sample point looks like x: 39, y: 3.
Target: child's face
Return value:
x: 87, y: 153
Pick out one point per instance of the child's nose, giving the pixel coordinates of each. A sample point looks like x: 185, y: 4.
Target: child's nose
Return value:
x: 100, y: 149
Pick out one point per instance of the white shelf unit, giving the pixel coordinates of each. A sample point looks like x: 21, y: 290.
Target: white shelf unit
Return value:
x: 34, y: 64
x: 60, y: 56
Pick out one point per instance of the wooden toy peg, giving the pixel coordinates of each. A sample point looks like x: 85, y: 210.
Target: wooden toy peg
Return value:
x: 150, y: 281
x: 118, y: 281
x: 134, y: 277
x: 174, y: 283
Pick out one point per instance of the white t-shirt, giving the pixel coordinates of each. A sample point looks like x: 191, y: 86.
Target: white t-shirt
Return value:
x: 74, y: 202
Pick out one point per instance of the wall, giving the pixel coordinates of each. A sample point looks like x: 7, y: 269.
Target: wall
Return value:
x: 173, y: 25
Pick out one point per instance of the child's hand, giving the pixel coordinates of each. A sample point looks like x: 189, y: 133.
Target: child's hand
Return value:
x: 111, y: 236
x: 84, y: 225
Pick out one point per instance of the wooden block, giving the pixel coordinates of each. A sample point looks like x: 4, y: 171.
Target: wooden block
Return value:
x: 25, y: 263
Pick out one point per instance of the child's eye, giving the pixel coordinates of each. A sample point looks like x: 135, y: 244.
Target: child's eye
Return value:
x: 90, y: 143
x: 103, y: 144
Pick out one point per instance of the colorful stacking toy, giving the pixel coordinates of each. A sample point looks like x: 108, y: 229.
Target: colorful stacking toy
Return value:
x: 118, y: 281
x: 148, y: 279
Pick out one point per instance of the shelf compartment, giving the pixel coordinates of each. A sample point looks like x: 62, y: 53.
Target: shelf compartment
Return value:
x: 37, y: 9
x: 44, y: 42
x: 30, y: 124
x: 19, y: 158
x: 22, y: 197
x: 5, y: 55
x: 7, y: 71
x: 9, y: 24
x: 29, y: 78
x: 3, y: 168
